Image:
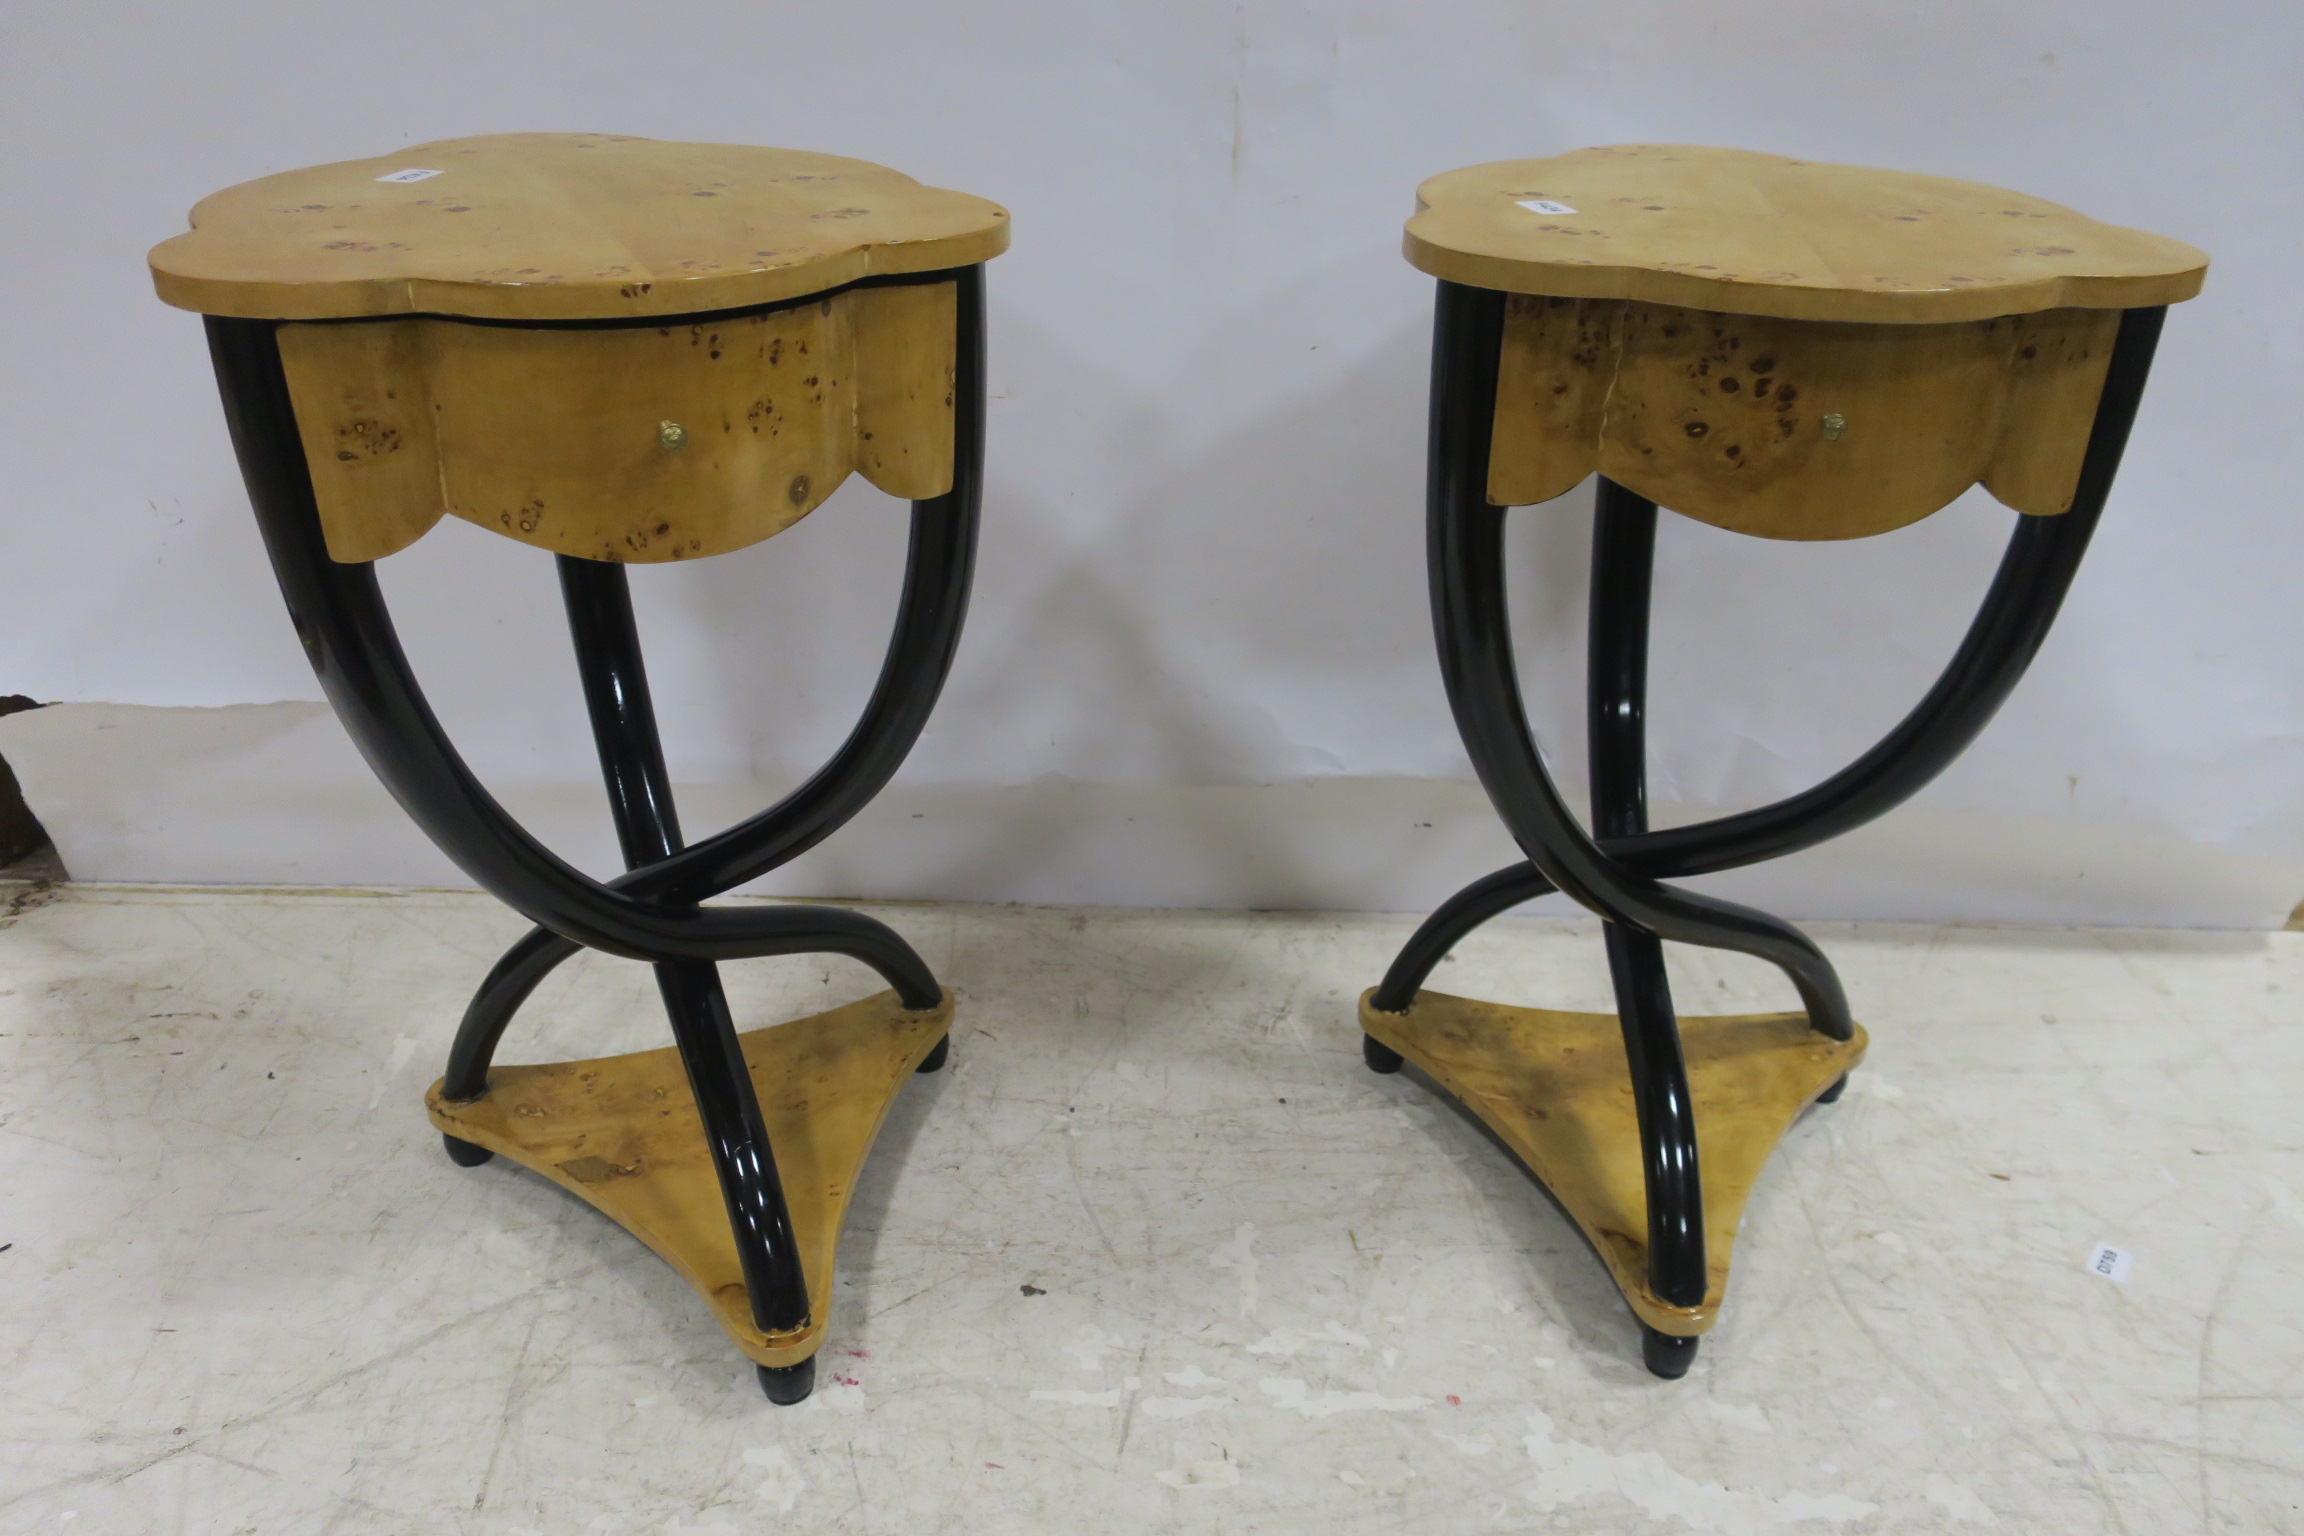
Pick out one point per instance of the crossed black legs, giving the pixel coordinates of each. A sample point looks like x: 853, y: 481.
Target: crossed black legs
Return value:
x: 2043, y: 554
x: 1616, y: 870
x: 652, y: 912
x: 929, y: 613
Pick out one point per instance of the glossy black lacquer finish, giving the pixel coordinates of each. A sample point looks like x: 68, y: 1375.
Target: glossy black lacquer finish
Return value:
x: 1667, y: 1354
x: 599, y: 602
x: 650, y: 913
x: 785, y: 1385
x: 1616, y: 693
x: 1615, y: 871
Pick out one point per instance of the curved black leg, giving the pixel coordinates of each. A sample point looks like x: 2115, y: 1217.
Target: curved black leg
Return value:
x: 934, y: 602
x: 2026, y: 592
x: 1666, y: 1114
x: 930, y: 610
x: 738, y: 1140
x: 785, y: 1385
x: 486, y: 1017
x: 1832, y: 1094
x: 599, y: 602
x: 1483, y: 899
x: 598, y: 597
x: 1475, y: 644
x: 1616, y: 668
x: 2010, y: 625
x: 1666, y: 1354
x: 935, y: 1059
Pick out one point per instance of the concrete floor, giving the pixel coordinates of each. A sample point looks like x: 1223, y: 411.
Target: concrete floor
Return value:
x: 1155, y: 1254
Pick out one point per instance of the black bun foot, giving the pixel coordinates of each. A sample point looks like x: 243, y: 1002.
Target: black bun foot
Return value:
x: 465, y: 1154
x: 1666, y: 1355
x: 1832, y: 1094
x: 787, y: 1384
x: 935, y: 1059
x: 1379, y: 1056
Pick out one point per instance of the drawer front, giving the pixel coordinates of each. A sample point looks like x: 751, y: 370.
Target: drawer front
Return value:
x: 632, y: 444
x: 1794, y: 429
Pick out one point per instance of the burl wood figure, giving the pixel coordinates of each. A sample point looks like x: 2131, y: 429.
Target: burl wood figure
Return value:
x: 1782, y: 348
x: 622, y: 350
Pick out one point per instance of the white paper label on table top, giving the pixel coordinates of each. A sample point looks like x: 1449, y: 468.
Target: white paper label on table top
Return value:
x: 1545, y: 205
x: 2110, y: 1262
x: 409, y: 175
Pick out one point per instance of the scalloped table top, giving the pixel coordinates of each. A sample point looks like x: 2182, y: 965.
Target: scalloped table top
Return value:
x: 1736, y: 232
x: 563, y: 226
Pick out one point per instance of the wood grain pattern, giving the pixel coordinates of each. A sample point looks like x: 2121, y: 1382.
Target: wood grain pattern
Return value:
x: 564, y: 226
x: 1553, y: 378
x: 1751, y: 234
x: 622, y: 1133
x: 554, y: 437
x: 1555, y: 1087
x: 1794, y: 429
x: 2053, y: 381
x: 905, y: 378
x: 364, y: 413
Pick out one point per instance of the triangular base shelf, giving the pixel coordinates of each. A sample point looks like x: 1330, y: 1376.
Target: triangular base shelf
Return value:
x: 622, y: 1132
x: 1555, y: 1087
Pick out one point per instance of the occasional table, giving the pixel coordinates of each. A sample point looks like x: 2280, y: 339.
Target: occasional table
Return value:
x: 1782, y: 348
x: 623, y: 351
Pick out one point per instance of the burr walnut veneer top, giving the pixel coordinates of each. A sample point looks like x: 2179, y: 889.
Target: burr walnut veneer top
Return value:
x: 563, y: 226
x: 1735, y: 232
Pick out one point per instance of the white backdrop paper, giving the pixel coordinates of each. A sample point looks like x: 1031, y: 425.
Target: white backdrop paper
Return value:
x: 1201, y: 578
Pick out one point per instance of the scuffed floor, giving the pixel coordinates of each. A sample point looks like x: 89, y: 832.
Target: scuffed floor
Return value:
x: 1156, y: 1254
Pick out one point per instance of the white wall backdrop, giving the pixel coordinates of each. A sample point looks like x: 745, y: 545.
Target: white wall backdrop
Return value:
x: 1198, y: 668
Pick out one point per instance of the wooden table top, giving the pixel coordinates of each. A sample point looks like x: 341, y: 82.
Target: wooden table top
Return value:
x: 563, y: 226
x: 1735, y: 232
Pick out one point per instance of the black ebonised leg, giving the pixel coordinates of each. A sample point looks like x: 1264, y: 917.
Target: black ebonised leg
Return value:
x: 1665, y: 1354
x: 1491, y: 896
x: 1379, y: 1056
x: 1832, y: 1094
x: 935, y: 1059
x: 1667, y: 1117
x: 1616, y: 701
x: 599, y: 602
x: 787, y: 1384
x: 507, y: 985
x: 465, y: 1154
x: 730, y: 1110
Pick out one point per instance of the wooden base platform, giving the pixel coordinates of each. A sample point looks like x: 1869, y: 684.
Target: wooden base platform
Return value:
x: 622, y: 1132
x: 1555, y: 1087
